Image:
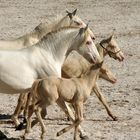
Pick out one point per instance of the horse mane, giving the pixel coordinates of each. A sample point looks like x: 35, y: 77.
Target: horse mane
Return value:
x: 44, y: 28
x: 48, y: 22
x: 50, y: 40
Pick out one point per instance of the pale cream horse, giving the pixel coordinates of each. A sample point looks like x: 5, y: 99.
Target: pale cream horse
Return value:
x: 76, y: 91
x: 42, y: 29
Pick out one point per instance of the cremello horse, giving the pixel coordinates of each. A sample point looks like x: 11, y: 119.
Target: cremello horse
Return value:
x: 42, y: 29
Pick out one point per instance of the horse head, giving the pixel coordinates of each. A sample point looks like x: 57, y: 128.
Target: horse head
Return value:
x: 85, y: 46
x: 112, y: 49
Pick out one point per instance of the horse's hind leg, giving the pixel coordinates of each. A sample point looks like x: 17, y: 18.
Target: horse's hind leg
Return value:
x: 28, y: 128
x: 43, y: 114
x: 104, y: 102
x: 38, y: 114
x: 19, y: 107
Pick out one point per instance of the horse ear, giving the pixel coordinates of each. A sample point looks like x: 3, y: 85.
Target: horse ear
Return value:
x: 83, y: 30
x: 86, y: 27
x: 69, y: 14
x: 113, y: 33
x: 110, y: 38
x: 74, y: 12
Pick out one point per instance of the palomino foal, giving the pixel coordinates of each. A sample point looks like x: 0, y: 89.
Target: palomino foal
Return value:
x: 52, y: 89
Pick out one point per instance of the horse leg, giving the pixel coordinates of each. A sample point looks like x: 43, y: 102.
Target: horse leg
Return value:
x: 28, y: 127
x: 38, y: 114
x: 103, y: 101
x: 79, y: 114
x: 70, y: 114
x: 26, y: 105
x: 18, y: 109
x: 76, y: 123
x: 43, y: 114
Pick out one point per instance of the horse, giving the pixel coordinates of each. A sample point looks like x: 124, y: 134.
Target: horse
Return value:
x: 47, y: 91
x: 52, y: 24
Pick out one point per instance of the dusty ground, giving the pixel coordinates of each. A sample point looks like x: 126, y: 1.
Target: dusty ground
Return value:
x: 18, y: 17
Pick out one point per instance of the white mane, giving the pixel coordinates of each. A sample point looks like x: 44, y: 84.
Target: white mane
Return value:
x: 57, y: 42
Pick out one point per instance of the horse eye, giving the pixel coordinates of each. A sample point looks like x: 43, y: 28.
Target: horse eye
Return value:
x: 88, y: 42
x: 77, y: 22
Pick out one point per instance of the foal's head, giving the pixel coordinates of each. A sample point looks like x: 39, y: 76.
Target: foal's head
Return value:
x: 111, y: 48
x: 106, y: 74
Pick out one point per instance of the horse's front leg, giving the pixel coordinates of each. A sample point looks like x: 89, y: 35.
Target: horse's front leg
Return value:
x: 20, y: 106
x: 68, y: 111
x: 100, y: 96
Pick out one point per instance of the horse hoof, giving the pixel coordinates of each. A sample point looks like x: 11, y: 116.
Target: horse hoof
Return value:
x: 20, y: 127
x: 84, y: 137
x: 115, y: 118
x: 24, y: 121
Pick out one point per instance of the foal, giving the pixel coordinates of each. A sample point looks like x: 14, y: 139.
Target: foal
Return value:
x: 52, y: 89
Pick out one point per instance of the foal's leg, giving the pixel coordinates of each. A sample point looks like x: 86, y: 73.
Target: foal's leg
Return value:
x: 75, y: 124
x: 100, y: 96
x: 38, y: 114
x: 18, y: 110
x: 79, y: 114
x: 66, y: 108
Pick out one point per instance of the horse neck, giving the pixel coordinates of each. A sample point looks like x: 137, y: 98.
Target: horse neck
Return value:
x: 56, y: 44
x: 64, y: 22
x: 101, y: 50
x: 53, y: 25
x: 91, y: 76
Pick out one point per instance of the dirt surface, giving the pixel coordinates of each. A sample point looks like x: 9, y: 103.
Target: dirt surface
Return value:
x: 18, y: 17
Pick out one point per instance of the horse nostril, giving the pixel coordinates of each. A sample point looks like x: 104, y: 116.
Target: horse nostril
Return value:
x: 93, y: 38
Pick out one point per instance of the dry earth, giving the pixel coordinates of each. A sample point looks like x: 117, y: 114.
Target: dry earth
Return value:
x: 18, y: 17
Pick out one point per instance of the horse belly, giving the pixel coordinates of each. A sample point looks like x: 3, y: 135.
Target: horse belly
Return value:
x: 6, y: 89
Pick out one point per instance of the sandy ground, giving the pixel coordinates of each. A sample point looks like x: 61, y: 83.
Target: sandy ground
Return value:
x: 18, y: 17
